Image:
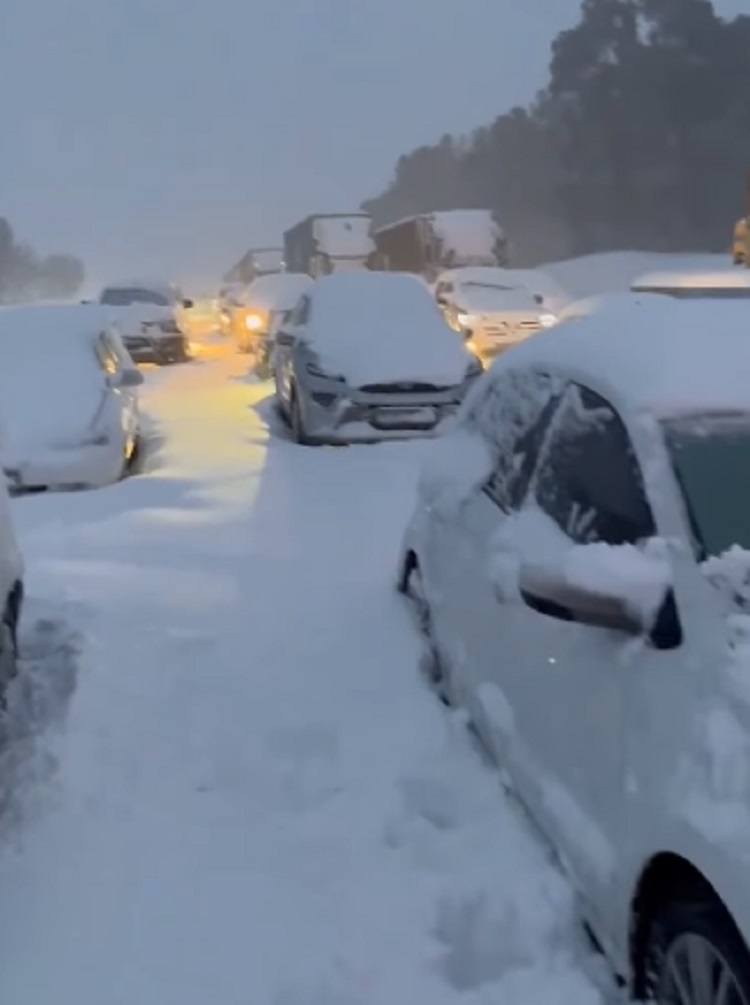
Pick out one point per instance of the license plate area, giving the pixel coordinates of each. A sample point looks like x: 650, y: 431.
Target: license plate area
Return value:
x: 404, y: 418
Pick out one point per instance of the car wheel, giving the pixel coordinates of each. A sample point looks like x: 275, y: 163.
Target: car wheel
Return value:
x: 297, y: 421
x: 8, y: 656
x: 432, y: 665
x: 695, y: 954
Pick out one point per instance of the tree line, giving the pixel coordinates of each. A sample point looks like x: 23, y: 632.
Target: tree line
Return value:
x: 640, y: 140
x: 26, y: 276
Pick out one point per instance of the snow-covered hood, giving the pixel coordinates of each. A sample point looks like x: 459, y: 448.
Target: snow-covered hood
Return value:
x: 131, y: 319
x: 383, y: 328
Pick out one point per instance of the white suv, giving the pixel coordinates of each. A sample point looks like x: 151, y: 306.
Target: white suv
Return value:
x: 11, y: 592
x: 580, y: 559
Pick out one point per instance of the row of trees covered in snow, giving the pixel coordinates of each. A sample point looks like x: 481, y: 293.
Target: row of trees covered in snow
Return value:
x: 641, y: 139
x: 26, y: 276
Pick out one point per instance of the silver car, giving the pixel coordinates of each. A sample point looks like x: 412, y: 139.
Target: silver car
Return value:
x: 367, y: 356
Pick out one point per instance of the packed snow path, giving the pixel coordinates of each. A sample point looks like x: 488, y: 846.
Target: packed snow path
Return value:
x: 256, y: 800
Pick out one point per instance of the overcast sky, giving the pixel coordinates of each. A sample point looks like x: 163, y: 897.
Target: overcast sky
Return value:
x: 166, y: 136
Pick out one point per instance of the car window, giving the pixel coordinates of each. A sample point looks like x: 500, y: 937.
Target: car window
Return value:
x: 513, y: 415
x: 589, y: 481
x: 301, y: 313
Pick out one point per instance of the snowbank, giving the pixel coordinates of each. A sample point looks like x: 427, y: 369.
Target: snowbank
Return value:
x: 379, y: 327
x: 615, y: 270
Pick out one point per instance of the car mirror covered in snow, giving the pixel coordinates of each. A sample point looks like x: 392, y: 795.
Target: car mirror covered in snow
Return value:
x: 622, y: 587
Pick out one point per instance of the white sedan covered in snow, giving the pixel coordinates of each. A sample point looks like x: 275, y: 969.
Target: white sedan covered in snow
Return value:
x: 580, y: 558
x: 367, y: 356
x: 495, y: 308
x: 68, y: 398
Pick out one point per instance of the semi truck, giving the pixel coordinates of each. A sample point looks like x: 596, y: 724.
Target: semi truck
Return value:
x: 326, y: 243
x: 429, y: 243
x: 256, y: 262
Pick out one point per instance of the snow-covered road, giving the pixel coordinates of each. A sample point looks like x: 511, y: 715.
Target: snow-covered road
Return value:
x: 256, y: 800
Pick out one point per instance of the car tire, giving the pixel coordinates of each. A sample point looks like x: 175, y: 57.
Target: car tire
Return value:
x: 8, y: 655
x: 686, y: 939
x: 433, y: 667
x: 297, y: 421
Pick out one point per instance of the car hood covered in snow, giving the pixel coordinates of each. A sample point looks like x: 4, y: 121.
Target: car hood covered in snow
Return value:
x: 51, y: 383
x: 373, y: 327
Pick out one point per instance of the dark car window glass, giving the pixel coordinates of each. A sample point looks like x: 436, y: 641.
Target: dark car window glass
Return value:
x: 589, y: 481
x: 513, y: 416
x: 710, y: 456
x: 126, y: 297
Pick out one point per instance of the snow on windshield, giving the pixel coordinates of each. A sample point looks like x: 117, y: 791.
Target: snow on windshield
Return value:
x: 478, y: 297
x: 377, y: 327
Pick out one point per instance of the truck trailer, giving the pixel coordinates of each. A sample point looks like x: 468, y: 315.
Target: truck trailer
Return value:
x: 429, y: 243
x: 322, y: 244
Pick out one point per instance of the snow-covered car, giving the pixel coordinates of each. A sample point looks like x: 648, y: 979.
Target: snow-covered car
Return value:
x: 260, y: 307
x: 68, y: 398
x: 148, y: 315
x: 11, y: 593
x: 493, y: 308
x: 580, y: 560
x: 367, y: 356
x: 696, y: 285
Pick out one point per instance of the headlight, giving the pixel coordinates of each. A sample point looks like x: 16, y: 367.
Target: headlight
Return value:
x: 547, y: 320
x: 253, y: 322
x: 465, y: 320
x: 316, y: 371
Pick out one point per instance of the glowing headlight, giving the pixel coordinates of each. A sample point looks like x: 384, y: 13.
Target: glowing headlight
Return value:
x: 253, y: 322
x: 547, y: 320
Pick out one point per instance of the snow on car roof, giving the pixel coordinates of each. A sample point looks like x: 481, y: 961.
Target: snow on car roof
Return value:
x: 699, y: 280
x: 50, y: 378
x: 156, y: 286
x: 278, y: 291
x: 664, y: 356
x: 374, y: 327
x: 535, y: 280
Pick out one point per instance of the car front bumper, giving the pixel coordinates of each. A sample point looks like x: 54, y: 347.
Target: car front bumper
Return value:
x: 83, y: 467
x: 365, y: 418
x: 167, y: 349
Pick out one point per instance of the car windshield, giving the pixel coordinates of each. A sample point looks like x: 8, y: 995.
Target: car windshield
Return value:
x: 124, y: 297
x: 711, y: 458
x: 698, y: 292
x: 486, y: 296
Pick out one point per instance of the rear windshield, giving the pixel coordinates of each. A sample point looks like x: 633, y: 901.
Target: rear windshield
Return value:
x: 711, y: 459
x: 133, y: 295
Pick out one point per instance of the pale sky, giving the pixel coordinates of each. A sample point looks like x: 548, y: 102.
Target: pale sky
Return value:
x: 166, y: 136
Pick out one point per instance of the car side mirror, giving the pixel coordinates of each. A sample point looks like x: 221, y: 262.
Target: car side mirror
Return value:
x: 188, y: 304
x: 604, y: 586
x: 130, y: 377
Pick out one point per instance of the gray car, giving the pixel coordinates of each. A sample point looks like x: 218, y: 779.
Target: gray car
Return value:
x: 367, y: 356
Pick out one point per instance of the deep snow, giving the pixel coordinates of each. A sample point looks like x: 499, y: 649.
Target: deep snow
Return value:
x: 256, y: 799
